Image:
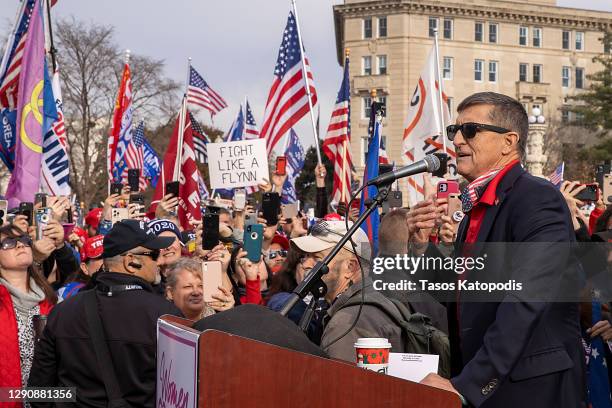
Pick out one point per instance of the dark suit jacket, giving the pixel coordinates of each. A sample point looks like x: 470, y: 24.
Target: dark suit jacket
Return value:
x: 517, y: 352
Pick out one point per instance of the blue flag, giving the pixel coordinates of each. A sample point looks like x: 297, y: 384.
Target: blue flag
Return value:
x: 597, y: 372
x: 236, y: 132
x: 370, y: 226
x: 295, y: 162
x: 7, y: 140
x: 151, y: 163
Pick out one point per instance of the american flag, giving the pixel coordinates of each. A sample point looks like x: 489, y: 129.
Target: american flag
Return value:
x: 11, y: 61
x: 336, y: 145
x: 556, y: 177
x: 200, y: 95
x: 251, y: 131
x: 287, y: 101
x: 200, y: 140
x: 134, y: 155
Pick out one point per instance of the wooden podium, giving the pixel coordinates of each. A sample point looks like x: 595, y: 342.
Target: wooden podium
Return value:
x: 238, y: 372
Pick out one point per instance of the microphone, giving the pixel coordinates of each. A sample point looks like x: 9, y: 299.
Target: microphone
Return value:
x: 429, y: 164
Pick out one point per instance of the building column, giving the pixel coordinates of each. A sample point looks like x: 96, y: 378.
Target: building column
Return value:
x: 535, y: 158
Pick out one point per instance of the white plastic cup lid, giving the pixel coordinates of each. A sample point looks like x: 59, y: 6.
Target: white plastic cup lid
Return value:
x: 372, y: 342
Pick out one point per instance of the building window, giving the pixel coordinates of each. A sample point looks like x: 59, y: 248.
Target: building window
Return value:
x: 364, y: 149
x: 565, y: 40
x: 565, y: 115
x: 492, y: 32
x: 448, y: 29
x: 492, y: 71
x: 537, y: 73
x: 537, y: 37
x: 433, y: 25
x: 383, y: 100
x: 382, y: 65
x: 478, y: 69
x: 367, y: 27
x: 450, y: 104
x: 579, y: 41
x: 382, y: 26
x: 478, y: 31
x: 523, y: 32
x: 523, y: 72
x: 367, y: 65
x: 367, y: 107
x: 565, y: 77
x: 447, y: 68
x: 579, y: 78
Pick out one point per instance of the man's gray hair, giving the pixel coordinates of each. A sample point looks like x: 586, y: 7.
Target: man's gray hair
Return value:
x: 507, y: 112
x: 114, y: 260
x: 192, y: 265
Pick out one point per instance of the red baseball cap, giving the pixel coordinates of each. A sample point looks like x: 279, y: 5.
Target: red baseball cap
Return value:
x: 82, y: 234
x: 281, y: 240
x: 93, y: 247
x: 332, y: 217
x: 93, y: 217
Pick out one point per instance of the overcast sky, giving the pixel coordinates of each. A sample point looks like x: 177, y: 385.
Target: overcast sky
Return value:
x: 233, y: 43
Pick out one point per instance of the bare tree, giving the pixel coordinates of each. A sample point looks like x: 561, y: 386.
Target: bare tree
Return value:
x: 90, y: 67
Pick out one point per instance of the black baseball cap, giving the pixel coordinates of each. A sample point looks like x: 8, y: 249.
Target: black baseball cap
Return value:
x: 129, y: 234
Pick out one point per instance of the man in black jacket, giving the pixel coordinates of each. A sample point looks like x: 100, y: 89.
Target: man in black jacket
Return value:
x: 128, y: 310
x: 521, y: 348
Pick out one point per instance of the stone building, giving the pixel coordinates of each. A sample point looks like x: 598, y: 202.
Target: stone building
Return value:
x: 529, y: 49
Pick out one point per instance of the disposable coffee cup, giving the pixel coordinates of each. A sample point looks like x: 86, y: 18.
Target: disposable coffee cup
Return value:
x: 373, y: 354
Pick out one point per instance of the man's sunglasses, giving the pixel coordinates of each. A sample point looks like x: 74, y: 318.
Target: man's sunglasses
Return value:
x: 469, y: 129
x: 152, y: 254
x: 10, y: 243
x: 274, y: 254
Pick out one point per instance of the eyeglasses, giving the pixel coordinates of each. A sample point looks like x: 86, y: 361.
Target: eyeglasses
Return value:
x: 10, y: 243
x: 469, y: 129
x: 152, y: 254
x: 280, y: 252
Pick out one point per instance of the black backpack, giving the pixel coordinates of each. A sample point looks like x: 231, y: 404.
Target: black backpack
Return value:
x: 418, y: 334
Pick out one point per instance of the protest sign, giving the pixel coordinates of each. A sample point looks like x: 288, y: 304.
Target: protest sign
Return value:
x: 237, y: 164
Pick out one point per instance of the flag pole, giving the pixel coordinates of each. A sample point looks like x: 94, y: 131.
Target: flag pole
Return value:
x: 11, y: 38
x: 439, y: 80
x: 52, y: 50
x: 182, y: 113
x: 345, y: 188
x: 304, y: 73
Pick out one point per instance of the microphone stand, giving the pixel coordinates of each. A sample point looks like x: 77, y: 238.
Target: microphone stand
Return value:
x: 313, y: 282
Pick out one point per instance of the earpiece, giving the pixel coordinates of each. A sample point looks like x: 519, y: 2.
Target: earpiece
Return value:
x: 135, y: 265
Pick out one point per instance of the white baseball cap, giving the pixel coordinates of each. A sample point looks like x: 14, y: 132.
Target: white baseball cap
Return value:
x: 325, y: 234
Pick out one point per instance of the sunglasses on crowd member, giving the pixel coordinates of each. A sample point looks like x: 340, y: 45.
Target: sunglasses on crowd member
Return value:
x: 10, y: 243
x: 274, y: 254
x: 469, y: 129
x: 151, y: 254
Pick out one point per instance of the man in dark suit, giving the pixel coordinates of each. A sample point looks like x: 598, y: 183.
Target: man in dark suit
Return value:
x: 523, y: 348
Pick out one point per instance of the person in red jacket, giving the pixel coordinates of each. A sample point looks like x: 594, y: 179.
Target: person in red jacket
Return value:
x: 249, y: 279
x: 24, y: 293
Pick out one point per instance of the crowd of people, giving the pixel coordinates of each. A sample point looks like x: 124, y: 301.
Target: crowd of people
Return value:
x: 102, y: 287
